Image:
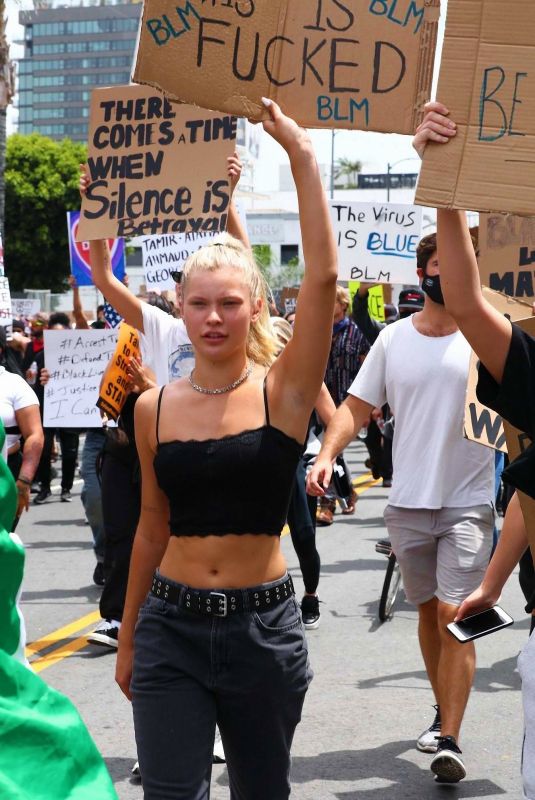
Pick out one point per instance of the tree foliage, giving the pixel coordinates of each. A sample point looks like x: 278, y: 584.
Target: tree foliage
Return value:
x: 41, y: 186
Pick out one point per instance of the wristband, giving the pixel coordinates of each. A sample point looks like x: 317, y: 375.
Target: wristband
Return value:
x: 22, y: 479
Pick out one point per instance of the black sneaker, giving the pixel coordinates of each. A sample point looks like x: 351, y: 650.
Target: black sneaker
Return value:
x: 447, y: 764
x: 41, y: 496
x: 98, y: 574
x: 107, y: 633
x: 310, y: 612
x: 66, y: 496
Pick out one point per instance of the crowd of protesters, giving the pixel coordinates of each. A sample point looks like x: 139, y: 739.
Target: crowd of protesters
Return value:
x: 227, y: 393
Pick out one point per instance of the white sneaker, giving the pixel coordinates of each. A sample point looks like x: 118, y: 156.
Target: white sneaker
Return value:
x: 427, y: 741
x: 218, y: 756
x: 447, y: 764
x: 106, y: 633
x: 135, y: 770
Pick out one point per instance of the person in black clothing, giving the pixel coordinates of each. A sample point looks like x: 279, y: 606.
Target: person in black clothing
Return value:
x: 506, y: 376
x: 68, y: 437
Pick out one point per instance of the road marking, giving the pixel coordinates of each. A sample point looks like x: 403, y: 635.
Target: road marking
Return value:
x: 62, y: 652
x: 361, y: 484
x: 62, y: 633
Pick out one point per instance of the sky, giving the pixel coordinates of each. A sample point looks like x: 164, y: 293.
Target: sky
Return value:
x: 374, y: 150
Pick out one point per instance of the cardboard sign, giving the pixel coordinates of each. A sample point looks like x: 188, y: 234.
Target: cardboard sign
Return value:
x: 165, y: 254
x: 116, y: 383
x: 288, y: 299
x: 155, y: 167
x: 6, y: 313
x: 76, y: 361
x: 364, y: 64
x: 507, y: 254
x: 487, y: 81
x: 482, y: 424
x: 376, y: 241
x: 376, y: 300
x: 79, y: 254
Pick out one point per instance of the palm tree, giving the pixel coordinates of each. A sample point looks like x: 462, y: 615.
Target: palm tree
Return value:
x: 349, y: 169
x: 7, y: 86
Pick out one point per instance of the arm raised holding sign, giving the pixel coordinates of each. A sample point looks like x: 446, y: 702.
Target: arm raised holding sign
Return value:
x: 488, y: 331
x: 115, y: 292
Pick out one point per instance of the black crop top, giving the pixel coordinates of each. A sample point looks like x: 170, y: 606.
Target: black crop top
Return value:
x: 237, y: 484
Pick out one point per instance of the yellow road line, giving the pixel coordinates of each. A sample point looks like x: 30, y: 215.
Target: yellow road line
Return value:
x: 58, y: 655
x: 62, y: 633
x: 361, y: 484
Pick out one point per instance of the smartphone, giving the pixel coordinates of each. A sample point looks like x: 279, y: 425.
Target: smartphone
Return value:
x: 477, y: 625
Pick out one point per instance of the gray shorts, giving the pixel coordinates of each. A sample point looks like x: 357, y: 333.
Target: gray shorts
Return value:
x: 442, y: 553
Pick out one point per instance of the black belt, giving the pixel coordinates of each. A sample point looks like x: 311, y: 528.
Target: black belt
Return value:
x: 221, y: 604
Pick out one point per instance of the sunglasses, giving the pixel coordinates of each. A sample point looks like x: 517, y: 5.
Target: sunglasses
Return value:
x: 176, y: 275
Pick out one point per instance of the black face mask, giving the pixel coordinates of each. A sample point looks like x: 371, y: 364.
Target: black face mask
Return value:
x: 431, y: 286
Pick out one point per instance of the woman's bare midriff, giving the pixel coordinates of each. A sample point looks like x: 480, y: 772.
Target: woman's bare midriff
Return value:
x: 223, y: 562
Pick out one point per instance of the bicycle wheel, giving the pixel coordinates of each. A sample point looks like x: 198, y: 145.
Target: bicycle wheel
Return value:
x: 391, y: 585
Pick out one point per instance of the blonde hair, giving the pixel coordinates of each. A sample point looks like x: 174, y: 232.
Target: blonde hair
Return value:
x: 282, y: 330
x: 343, y: 296
x: 227, y: 251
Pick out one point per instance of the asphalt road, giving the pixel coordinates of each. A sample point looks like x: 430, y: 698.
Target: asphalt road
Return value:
x: 369, y: 699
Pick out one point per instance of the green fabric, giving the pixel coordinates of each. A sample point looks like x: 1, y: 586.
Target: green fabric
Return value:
x: 11, y: 559
x: 46, y: 752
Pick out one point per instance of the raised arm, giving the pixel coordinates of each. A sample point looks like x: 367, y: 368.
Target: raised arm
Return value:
x: 342, y: 429
x: 235, y: 226
x: 304, y: 359
x: 77, y: 310
x: 488, y: 331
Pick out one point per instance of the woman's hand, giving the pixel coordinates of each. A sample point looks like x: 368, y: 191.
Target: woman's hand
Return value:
x: 435, y: 127
x: 234, y: 170
x: 123, y: 666
x: 45, y: 377
x: 319, y: 477
x: 283, y: 129
x: 23, y: 502
x: 480, y: 599
x: 85, y: 180
x: 139, y: 375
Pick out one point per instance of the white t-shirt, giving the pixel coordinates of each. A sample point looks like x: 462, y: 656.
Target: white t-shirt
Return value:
x: 424, y: 380
x: 165, y: 345
x: 14, y: 395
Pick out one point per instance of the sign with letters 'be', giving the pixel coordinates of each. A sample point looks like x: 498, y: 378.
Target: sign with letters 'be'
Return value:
x: 155, y: 167
x: 376, y: 241
x: 364, y: 64
x: 487, y: 82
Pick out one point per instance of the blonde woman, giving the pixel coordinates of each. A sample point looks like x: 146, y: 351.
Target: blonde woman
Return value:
x: 211, y: 631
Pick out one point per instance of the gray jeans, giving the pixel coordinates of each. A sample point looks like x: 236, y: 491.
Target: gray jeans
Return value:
x: 247, y: 672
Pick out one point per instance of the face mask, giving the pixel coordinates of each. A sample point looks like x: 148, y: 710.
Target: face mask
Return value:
x: 431, y: 286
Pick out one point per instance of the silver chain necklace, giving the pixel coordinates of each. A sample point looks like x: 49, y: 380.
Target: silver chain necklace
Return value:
x: 224, y: 389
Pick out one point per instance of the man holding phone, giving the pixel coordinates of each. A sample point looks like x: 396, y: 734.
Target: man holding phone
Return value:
x: 440, y: 518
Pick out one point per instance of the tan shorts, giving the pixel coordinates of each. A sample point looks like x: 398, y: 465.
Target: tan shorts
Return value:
x: 442, y: 553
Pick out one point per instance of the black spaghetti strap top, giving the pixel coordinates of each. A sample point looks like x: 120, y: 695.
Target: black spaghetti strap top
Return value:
x: 237, y: 484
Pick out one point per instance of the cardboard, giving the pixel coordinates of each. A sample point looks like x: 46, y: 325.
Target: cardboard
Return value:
x: 376, y: 241
x: 156, y: 167
x: 487, y: 81
x: 517, y: 442
x: 76, y: 361
x: 507, y: 254
x: 288, y: 299
x: 482, y: 424
x: 364, y: 64
x: 116, y: 383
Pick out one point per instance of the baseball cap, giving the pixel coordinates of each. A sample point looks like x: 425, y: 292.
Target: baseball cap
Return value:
x: 411, y: 300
